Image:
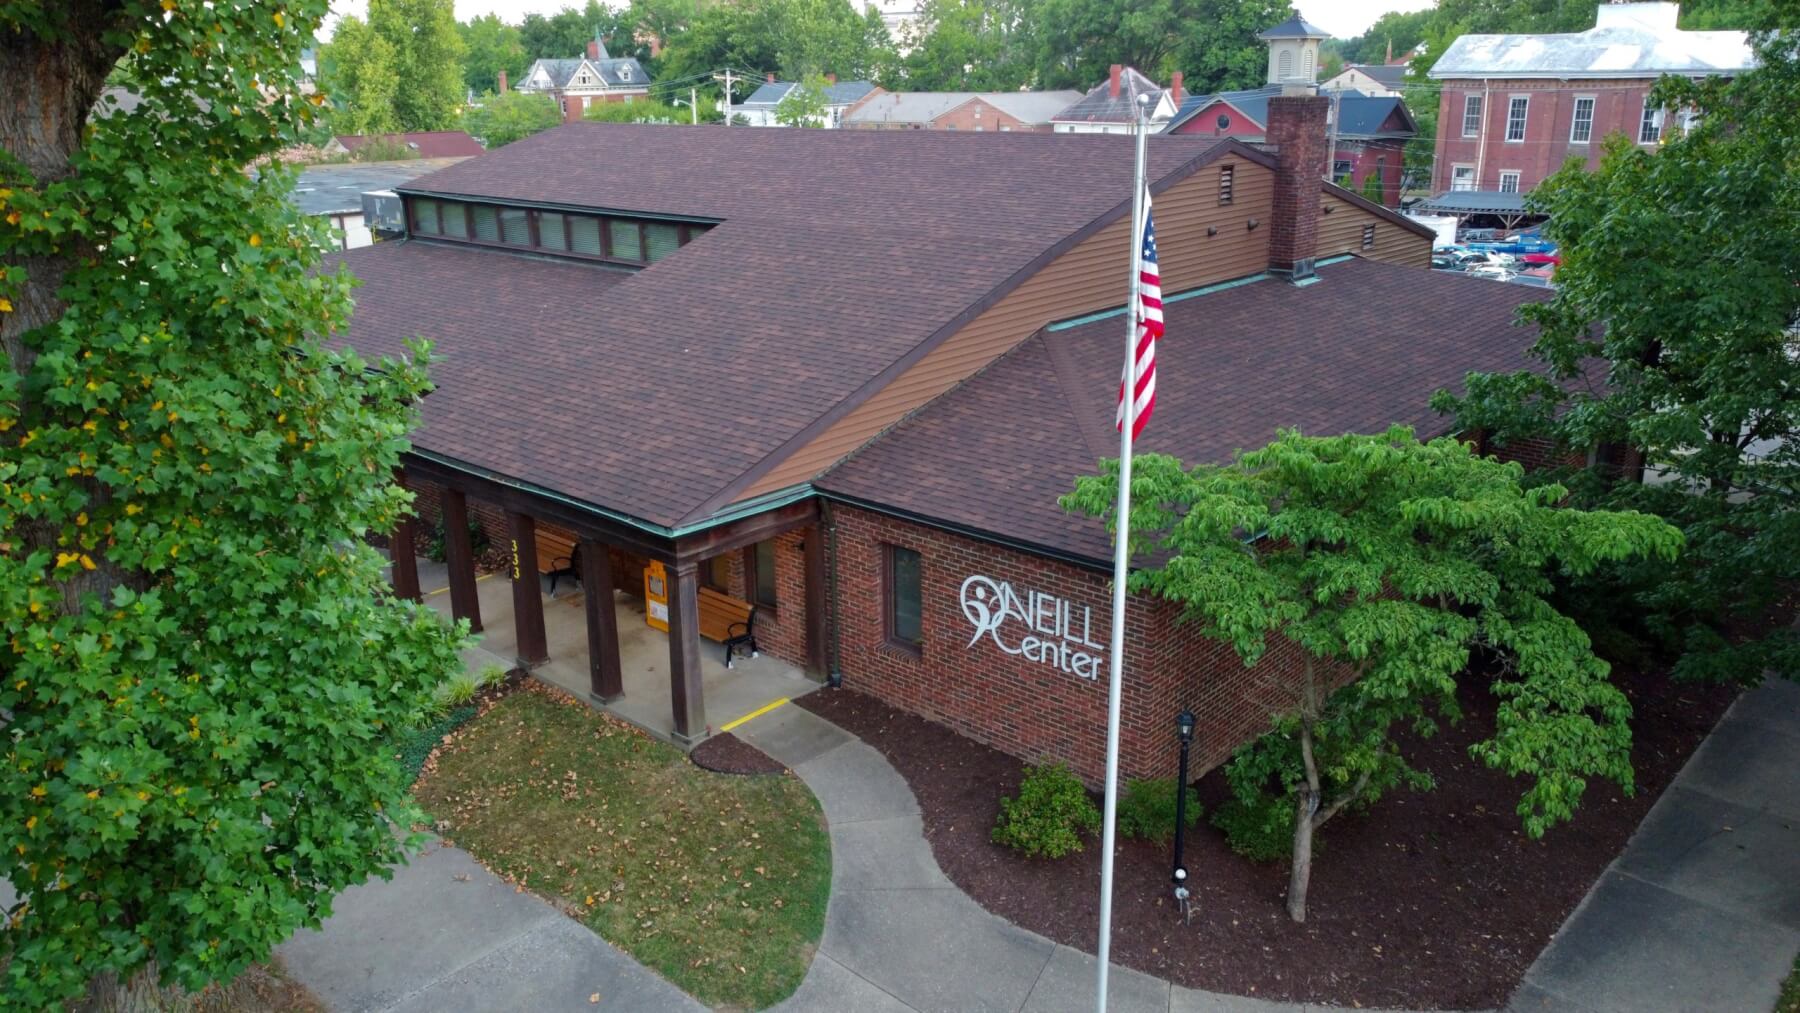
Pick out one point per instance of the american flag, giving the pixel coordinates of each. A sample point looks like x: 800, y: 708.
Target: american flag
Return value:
x: 1149, y: 316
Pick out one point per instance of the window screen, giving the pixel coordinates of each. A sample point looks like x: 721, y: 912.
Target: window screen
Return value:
x: 514, y: 228
x: 487, y: 224
x: 455, y: 223
x: 627, y: 244
x: 584, y: 235
x: 660, y: 241
x: 425, y: 217
x: 550, y: 231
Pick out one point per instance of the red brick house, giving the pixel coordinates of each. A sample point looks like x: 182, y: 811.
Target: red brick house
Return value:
x: 1514, y: 108
x: 861, y: 420
x: 578, y: 83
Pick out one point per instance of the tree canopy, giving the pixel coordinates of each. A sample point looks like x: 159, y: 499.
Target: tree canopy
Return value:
x: 500, y: 120
x: 489, y: 47
x: 1385, y: 562
x: 1672, y: 330
x: 203, y: 673
x: 402, y: 70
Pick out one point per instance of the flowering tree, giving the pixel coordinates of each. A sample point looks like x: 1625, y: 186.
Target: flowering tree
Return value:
x: 200, y: 672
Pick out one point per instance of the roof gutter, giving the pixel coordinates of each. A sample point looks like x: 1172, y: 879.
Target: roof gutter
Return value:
x: 1033, y: 548
x: 759, y: 504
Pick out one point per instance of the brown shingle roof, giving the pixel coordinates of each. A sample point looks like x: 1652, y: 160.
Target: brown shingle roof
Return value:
x: 428, y: 143
x: 838, y: 254
x: 1361, y: 349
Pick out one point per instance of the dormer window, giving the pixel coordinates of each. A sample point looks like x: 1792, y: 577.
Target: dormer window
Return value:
x: 625, y: 73
x: 583, y: 79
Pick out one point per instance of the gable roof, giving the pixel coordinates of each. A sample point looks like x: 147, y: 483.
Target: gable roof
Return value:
x: 1099, y: 105
x: 840, y: 93
x: 1360, y: 117
x: 428, y: 143
x: 1627, y: 40
x: 658, y: 393
x: 1388, y: 75
x: 1362, y: 348
x: 614, y: 72
x: 925, y: 106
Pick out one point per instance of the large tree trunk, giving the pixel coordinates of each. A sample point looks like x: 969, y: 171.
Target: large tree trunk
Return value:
x: 1306, y: 801
x: 52, y: 85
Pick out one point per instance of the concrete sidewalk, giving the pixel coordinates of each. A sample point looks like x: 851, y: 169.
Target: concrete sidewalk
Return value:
x: 1702, y: 909
x: 447, y: 935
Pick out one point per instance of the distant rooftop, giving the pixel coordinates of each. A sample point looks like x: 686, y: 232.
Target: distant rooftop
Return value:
x: 838, y: 93
x: 428, y: 143
x: 1631, y: 40
x: 925, y: 106
x: 1295, y: 27
x: 338, y: 188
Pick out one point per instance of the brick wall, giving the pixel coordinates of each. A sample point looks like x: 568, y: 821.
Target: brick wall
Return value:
x: 781, y: 628
x: 1031, y: 709
x: 1549, y: 115
x: 977, y: 114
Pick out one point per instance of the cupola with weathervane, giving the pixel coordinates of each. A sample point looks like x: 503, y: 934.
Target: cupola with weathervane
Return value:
x: 1294, y: 51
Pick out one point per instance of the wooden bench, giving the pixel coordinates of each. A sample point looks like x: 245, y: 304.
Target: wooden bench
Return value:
x: 558, y: 555
x: 729, y: 621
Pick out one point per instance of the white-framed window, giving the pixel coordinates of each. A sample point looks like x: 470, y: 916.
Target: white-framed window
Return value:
x: 1462, y: 177
x: 1650, y: 124
x: 1515, y: 117
x: 1340, y: 167
x: 583, y: 78
x: 1471, y: 115
x: 1509, y: 181
x: 1581, y: 125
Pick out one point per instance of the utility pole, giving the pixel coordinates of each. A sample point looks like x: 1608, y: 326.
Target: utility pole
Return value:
x: 694, y: 104
x: 1337, y: 108
x: 727, y: 79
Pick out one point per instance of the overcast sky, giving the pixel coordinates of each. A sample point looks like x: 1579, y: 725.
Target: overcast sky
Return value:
x: 1342, y: 18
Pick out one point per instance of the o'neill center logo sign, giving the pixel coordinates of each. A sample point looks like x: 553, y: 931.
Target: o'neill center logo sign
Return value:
x: 1041, y: 627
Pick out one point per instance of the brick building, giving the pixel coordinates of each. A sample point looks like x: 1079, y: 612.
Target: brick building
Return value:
x: 1513, y: 108
x: 651, y: 369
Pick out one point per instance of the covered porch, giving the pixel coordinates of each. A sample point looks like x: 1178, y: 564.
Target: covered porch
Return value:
x: 592, y: 638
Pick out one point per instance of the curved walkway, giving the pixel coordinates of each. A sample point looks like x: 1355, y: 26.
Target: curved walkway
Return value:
x: 1701, y: 911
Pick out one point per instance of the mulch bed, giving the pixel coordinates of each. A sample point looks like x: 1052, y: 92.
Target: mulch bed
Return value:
x: 1435, y: 900
x: 728, y: 754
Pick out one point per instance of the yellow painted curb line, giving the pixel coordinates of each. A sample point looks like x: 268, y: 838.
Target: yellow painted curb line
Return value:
x: 446, y: 587
x: 757, y: 713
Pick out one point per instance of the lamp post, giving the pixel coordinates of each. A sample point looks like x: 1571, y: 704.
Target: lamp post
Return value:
x: 1184, y: 728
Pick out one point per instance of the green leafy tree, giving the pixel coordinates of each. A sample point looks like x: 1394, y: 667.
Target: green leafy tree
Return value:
x: 1374, y: 188
x: 502, y: 119
x: 643, y: 111
x: 1398, y: 31
x: 1212, y: 41
x: 358, y: 70
x: 1672, y: 330
x: 428, y: 56
x: 974, y: 45
x: 804, y: 105
x: 489, y: 47
x: 565, y: 34
x: 202, y: 673
x: 791, y: 38
x: 1383, y: 562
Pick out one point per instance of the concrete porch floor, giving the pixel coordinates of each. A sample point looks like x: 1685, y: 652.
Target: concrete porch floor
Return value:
x: 749, y: 685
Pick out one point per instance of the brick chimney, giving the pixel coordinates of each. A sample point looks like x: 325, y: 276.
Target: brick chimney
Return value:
x: 502, y: 80
x: 1113, y: 90
x: 831, y: 79
x: 1175, y: 88
x: 771, y: 78
x: 1296, y: 134
x: 593, y: 49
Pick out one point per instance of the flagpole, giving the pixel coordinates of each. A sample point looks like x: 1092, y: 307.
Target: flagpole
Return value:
x: 1121, y: 563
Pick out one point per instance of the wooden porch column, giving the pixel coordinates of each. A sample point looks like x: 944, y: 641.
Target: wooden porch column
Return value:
x: 684, y: 653
x: 528, y: 602
x: 818, y: 657
x: 459, y: 555
x: 404, y: 561
x: 605, y: 683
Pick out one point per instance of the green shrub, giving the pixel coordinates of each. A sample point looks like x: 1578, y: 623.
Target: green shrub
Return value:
x: 1047, y: 819
x: 1147, y: 809
x: 1261, y: 830
x: 490, y: 676
x: 478, y: 541
x: 415, y: 745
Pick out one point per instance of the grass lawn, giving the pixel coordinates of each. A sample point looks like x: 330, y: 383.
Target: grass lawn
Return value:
x: 717, y: 881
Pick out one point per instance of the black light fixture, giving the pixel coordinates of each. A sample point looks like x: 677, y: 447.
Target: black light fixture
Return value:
x: 1184, y: 730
